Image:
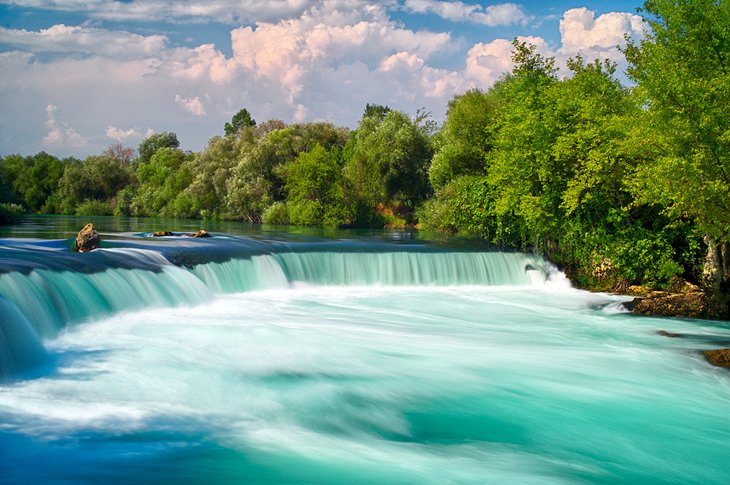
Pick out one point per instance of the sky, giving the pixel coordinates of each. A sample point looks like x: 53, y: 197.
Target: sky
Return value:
x: 79, y: 75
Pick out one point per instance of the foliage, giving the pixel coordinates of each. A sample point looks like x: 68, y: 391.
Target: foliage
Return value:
x: 256, y: 181
x: 466, y: 137
x: 98, y: 178
x: 682, y: 68
x: 93, y: 207
x: 162, y: 181
x: 33, y: 179
x: 240, y: 120
x: 154, y: 142
x: 316, y: 190
x: 387, y: 162
x: 10, y: 213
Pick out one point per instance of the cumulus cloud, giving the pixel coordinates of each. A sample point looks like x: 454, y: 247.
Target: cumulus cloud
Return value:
x: 492, y: 15
x: 324, y: 63
x: 86, y: 40
x: 120, y: 135
x: 60, y: 134
x: 191, y: 105
x: 225, y: 11
x: 580, y: 29
x: 487, y: 63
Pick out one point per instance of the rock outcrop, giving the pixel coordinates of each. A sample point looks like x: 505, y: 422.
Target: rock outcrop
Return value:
x: 161, y: 233
x: 87, y: 239
x: 719, y: 357
x: 661, y: 303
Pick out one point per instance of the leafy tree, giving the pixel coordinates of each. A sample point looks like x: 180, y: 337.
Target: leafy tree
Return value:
x: 33, y: 179
x: 377, y: 111
x: 682, y: 67
x: 316, y: 192
x: 257, y: 180
x: 161, y: 183
x: 240, y: 120
x: 466, y: 137
x: 97, y: 178
x: 388, y: 162
x: 154, y: 142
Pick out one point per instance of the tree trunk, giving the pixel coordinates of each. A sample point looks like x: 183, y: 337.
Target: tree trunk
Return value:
x: 716, y: 279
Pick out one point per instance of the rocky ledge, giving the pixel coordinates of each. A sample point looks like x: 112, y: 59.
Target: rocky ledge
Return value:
x: 662, y: 303
x: 682, y: 300
x: 719, y: 357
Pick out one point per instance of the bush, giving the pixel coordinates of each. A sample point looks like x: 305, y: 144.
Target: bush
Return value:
x: 276, y: 213
x: 10, y: 213
x: 93, y: 207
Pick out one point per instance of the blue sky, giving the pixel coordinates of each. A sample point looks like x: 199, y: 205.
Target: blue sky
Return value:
x: 76, y: 76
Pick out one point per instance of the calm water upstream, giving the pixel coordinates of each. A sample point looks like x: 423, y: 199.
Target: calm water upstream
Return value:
x: 337, y: 357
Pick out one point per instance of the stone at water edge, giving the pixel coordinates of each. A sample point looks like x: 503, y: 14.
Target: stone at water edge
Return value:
x: 719, y: 357
x: 87, y: 239
x: 200, y: 233
x: 161, y: 234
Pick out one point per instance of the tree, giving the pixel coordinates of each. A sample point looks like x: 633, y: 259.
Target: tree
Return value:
x: 97, y: 178
x: 257, y: 181
x: 466, y: 137
x: 316, y: 192
x: 119, y: 152
x: 162, y: 181
x: 682, y: 68
x: 154, y: 142
x: 240, y: 120
x: 388, y: 162
x: 34, y: 179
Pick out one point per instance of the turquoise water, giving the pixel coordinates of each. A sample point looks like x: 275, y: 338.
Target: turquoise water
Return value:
x: 326, y: 361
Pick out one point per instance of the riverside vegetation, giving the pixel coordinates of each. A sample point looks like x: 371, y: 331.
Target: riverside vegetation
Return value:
x: 619, y: 185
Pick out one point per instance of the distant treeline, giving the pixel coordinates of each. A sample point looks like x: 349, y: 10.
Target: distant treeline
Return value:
x: 618, y: 184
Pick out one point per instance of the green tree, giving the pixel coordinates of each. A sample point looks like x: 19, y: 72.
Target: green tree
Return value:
x: 682, y: 68
x: 154, y: 142
x: 257, y: 180
x: 387, y: 163
x: 467, y: 136
x: 97, y: 178
x: 162, y: 181
x: 316, y: 192
x: 34, y: 179
x: 240, y: 120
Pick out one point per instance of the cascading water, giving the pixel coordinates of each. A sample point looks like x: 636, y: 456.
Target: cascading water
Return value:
x: 236, y: 360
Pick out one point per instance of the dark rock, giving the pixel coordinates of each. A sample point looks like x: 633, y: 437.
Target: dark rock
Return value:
x: 719, y: 357
x: 631, y: 305
x: 664, y: 333
x: 161, y: 233
x: 87, y: 239
x: 200, y: 233
x: 688, y: 305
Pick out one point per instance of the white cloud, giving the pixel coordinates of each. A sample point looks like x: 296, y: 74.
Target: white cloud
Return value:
x: 191, y: 105
x: 597, y: 37
x: 226, y: 11
x: 325, y: 63
x: 60, y: 134
x: 487, y: 63
x: 120, y: 135
x: 491, y: 15
x: 86, y: 40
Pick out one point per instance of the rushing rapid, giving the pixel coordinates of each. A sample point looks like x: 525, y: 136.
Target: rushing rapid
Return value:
x: 232, y: 360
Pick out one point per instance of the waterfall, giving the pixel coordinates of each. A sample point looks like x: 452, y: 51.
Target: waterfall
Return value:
x: 20, y: 347
x: 44, y: 291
